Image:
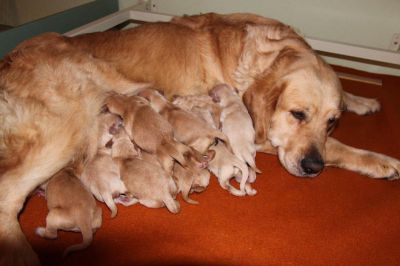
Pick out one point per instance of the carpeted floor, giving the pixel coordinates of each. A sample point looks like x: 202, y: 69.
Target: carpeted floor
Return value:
x: 338, y: 218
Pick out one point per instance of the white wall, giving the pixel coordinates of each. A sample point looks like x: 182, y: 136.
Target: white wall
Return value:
x: 370, y: 23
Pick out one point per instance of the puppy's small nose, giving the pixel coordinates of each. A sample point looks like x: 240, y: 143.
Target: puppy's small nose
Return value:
x: 312, y: 163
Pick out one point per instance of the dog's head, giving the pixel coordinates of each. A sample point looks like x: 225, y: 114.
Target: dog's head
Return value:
x: 295, y: 107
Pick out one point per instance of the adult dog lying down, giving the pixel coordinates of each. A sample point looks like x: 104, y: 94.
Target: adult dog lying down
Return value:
x: 51, y: 93
x: 293, y: 96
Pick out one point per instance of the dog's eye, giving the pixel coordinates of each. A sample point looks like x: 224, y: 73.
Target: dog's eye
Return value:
x: 299, y: 115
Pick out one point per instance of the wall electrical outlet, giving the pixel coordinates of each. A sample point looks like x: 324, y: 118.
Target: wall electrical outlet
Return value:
x: 395, y: 43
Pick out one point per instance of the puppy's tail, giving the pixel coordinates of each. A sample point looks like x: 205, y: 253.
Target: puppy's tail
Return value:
x: 87, y: 235
x: 109, y: 201
x: 172, y: 205
x: 250, y: 160
x: 245, y: 173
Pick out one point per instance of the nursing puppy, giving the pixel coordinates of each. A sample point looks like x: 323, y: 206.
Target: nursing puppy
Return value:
x: 225, y: 166
x: 71, y: 208
x: 194, y: 177
x: 101, y: 175
x: 201, y: 105
x: 50, y: 96
x: 188, y: 128
x: 236, y: 123
x: 148, y: 129
x: 147, y: 183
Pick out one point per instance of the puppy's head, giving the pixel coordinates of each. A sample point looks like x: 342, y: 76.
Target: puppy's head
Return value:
x: 296, y: 112
x: 156, y: 98
x: 109, y: 125
x: 198, y: 164
x: 222, y: 93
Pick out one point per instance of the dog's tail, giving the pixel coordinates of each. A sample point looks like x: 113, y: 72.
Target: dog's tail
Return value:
x: 87, y: 235
x: 172, y: 205
x: 250, y: 160
x: 244, y: 171
x: 109, y: 201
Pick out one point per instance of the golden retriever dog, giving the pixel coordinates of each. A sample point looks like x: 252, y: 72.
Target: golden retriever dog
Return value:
x: 50, y: 96
x: 225, y: 166
x: 52, y: 89
x: 101, y: 175
x: 201, y: 105
x: 271, y: 66
x: 236, y: 124
x: 147, y: 183
x: 71, y: 208
x: 188, y: 128
x: 148, y: 129
x: 194, y: 177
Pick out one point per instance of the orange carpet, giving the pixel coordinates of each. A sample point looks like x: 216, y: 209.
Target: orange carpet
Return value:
x: 339, y: 218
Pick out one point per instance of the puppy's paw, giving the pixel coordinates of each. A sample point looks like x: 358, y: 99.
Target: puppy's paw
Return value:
x: 40, y: 231
x: 249, y: 190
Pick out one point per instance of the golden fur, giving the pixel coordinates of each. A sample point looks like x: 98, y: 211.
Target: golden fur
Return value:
x: 51, y: 93
x: 50, y: 97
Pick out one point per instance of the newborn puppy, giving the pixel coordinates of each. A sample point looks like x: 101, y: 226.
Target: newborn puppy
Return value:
x: 226, y: 165
x: 201, y: 105
x: 188, y: 128
x: 195, y: 176
x: 71, y: 208
x: 236, y: 123
x: 101, y: 175
x: 147, y: 183
x: 148, y: 129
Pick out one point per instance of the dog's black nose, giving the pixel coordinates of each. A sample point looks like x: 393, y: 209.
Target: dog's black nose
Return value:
x: 312, y: 163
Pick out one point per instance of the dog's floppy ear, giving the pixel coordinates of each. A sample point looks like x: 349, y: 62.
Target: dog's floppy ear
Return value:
x: 261, y: 99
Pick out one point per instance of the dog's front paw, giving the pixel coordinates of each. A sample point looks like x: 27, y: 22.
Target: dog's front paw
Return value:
x: 386, y: 167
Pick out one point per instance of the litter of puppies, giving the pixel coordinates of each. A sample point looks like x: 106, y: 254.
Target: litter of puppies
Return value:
x: 150, y: 149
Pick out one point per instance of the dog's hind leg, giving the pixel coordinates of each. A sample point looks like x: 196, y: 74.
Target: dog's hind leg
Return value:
x: 360, y: 105
x: 56, y: 219
x: 38, y: 164
x: 16, y: 186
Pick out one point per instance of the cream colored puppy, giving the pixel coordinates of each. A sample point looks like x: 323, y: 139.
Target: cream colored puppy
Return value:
x: 147, y: 183
x: 225, y: 166
x: 148, y: 129
x: 188, y: 128
x: 101, y: 175
x: 201, y: 105
x: 71, y: 208
x: 194, y: 177
x: 236, y: 123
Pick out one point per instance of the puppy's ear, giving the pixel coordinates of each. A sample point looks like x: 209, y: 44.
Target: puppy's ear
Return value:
x: 261, y: 99
x: 214, y: 96
x: 209, y: 155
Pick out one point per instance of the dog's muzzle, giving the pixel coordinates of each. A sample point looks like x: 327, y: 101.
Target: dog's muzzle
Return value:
x: 312, y: 163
